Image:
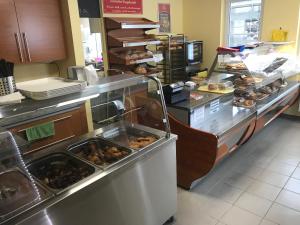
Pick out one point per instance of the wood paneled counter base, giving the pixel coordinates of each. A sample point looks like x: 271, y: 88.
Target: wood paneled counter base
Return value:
x: 198, y: 152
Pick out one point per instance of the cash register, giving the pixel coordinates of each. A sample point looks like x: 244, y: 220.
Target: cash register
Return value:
x: 175, y: 93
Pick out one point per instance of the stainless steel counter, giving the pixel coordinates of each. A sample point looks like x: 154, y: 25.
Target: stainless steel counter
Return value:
x: 138, y: 190
x: 29, y: 109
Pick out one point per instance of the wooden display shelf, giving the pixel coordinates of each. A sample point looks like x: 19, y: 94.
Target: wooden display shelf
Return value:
x: 115, y: 58
x: 131, y: 41
x: 130, y: 23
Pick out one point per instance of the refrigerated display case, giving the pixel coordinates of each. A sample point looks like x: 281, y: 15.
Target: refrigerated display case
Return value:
x: 106, y: 176
x: 225, y: 117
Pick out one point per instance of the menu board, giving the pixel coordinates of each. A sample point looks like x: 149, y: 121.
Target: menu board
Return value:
x: 123, y: 6
x: 89, y: 8
x: 164, y: 15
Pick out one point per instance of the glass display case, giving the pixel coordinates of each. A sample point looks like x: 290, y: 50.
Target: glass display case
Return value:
x: 256, y: 74
x: 244, y: 92
x: 134, y: 123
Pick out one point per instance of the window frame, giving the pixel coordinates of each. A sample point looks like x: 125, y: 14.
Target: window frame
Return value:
x: 227, y: 20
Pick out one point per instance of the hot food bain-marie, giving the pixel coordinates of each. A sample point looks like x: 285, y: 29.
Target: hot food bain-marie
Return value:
x: 67, y: 183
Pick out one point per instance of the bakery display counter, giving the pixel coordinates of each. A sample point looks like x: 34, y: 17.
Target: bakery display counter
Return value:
x: 211, y: 128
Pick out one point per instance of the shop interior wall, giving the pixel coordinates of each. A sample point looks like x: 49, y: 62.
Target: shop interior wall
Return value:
x: 285, y: 14
x: 206, y: 20
x: 202, y: 20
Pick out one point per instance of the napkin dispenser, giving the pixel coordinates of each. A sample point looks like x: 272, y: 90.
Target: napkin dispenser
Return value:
x: 175, y: 93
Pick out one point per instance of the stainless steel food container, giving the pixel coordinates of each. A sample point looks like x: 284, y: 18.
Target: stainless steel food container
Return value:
x: 123, y: 134
x: 59, y: 158
x: 101, y: 143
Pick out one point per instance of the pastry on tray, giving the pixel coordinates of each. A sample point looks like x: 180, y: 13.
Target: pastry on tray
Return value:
x: 236, y: 66
x: 245, y: 103
x: 244, y: 81
x: 213, y: 87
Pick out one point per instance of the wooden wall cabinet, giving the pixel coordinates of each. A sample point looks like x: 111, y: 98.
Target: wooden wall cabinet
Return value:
x: 67, y: 125
x: 31, y: 31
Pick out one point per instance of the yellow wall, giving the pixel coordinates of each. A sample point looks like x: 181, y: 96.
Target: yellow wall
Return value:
x: 202, y: 21
x: 278, y: 13
x: 206, y: 20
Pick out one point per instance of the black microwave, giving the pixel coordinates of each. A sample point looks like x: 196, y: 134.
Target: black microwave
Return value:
x: 194, y: 52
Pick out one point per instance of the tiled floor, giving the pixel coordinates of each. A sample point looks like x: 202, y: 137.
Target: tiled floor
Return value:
x: 257, y: 185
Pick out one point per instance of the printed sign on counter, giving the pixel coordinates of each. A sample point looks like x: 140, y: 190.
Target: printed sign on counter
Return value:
x: 197, y: 117
x: 123, y: 6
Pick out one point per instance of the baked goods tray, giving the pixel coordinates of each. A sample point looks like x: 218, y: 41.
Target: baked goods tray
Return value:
x: 100, y: 152
x: 130, y: 137
x: 50, y: 87
x: 130, y: 23
x: 115, y: 58
x: 131, y: 41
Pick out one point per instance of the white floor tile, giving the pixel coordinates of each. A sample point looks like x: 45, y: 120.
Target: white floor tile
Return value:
x: 190, y: 210
x: 250, y: 170
x: 195, y: 219
x: 237, y: 216
x: 264, y: 190
x: 296, y: 173
x: 288, y: 159
x: 293, y: 185
x: 220, y: 223
x: 273, y: 178
x: 283, y: 215
x: 254, y: 204
x: 239, y: 180
x: 267, y: 222
x: 225, y: 192
x: 281, y: 168
x: 216, y: 208
x: 289, y: 199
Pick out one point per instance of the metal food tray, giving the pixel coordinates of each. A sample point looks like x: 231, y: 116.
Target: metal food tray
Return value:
x: 101, y: 143
x: 59, y: 158
x: 28, y: 193
x: 122, y: 135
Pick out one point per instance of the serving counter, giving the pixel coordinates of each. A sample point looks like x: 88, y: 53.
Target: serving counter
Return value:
x: 122, y: 173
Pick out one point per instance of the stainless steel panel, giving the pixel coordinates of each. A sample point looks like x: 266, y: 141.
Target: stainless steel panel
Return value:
x: 142, y: 193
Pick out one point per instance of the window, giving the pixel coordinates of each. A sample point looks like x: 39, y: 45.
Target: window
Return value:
x: 244, y: 21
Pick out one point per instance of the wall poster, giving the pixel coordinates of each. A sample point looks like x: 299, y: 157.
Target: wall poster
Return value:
x: 164, y: 16
x: 123, y: 6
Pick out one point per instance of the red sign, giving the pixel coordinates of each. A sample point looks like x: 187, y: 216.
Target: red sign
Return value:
x: 164, y: 14
x: 123, y: 6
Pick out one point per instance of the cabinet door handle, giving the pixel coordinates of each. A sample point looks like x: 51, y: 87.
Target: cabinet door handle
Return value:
x: 27, y: 46
x: 17, y: 37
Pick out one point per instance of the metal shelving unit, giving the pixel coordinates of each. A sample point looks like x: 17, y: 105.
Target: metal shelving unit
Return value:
x: 174, y: 64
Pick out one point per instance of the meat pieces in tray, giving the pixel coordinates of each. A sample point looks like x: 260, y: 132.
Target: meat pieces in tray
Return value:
x: 59, y: 171
x: 132, y: 138
x: 137, y: 143
x: 100, y: 152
